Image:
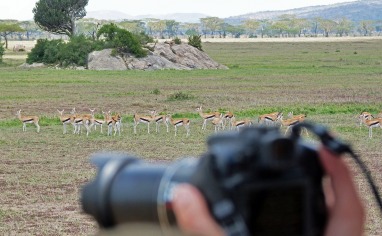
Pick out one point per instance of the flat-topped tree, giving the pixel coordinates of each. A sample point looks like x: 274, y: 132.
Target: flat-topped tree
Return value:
x: 59, y: 16
x: 7, y: 29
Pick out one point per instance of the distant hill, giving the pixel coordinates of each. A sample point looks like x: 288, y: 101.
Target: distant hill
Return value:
x: 354, y: 11
x: 117, y: 15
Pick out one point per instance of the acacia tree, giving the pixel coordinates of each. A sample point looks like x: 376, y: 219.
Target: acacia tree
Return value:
x: 59, y: 16
x: 344, y: 26
x: 7, y: 29
x: 211, y: 24
x: 251, y: 25
x: 327, y: 26
x: 366, y: 27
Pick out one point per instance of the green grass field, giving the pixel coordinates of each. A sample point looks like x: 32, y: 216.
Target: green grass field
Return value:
x: 41, y: 173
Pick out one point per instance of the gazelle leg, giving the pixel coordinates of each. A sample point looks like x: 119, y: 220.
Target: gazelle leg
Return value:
x: 370, y: 132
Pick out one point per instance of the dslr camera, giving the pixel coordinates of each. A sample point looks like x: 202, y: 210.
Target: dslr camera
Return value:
x: 256, y: 182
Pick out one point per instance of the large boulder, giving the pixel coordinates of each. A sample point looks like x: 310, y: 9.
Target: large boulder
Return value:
x: 103, y: 60
x: 163, y: 56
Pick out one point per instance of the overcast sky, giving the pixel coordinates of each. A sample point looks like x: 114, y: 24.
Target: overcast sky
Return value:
x: 22, y: 9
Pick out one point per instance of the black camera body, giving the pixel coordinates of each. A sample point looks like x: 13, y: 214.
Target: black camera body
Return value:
x: 256, y: 182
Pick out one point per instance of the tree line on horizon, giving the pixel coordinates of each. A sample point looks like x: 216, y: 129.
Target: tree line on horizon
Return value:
x: 66, y: 19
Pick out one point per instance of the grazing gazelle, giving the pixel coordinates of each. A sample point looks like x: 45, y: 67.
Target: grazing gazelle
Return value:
x: 207, y: 116
x: 159, y: 118
x: 270, y: 119
x: 65, y: 119
x: 142, y: 119
x: 218, y: 123
x: 300, y: 117
x: 179, y: 122
x: 292, y: 122
x: 28, y: 120
x: 240, y: 123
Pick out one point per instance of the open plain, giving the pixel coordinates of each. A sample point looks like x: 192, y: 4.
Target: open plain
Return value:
x: 41, y: 174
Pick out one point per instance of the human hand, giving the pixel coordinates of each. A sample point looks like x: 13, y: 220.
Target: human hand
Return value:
x: 345, y: 209
x: 346, y: 212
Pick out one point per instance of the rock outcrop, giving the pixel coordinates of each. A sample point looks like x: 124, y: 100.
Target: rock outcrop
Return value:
x: 164, y: 56
x: 33, y: 65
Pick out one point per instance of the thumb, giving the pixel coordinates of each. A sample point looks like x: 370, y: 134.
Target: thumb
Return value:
x: 192, y: 212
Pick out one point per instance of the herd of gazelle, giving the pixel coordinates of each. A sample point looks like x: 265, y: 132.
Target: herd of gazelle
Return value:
x: 220, y: 121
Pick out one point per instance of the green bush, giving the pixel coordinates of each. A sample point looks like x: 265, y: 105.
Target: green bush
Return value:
x: 179, y: 96
x: 76, y: 51
x: 177, y: 40
x: 2, y: 50
x: 144, y: 38
x: 122, y: 40
x: 45, y: 51
x: 156, y: 91
x: 195, y: 41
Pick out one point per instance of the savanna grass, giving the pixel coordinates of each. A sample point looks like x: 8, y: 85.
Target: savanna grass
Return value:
x: 41, y: 174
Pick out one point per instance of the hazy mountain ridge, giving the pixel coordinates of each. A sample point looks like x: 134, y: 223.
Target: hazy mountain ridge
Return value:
x: 354, y: 11
x: 117, y: 15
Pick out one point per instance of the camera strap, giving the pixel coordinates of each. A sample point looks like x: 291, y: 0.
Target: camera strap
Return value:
x: 337, y: 146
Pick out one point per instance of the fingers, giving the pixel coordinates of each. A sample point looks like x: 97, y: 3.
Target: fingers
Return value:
x: 192, y: 212
x: 346, y: 214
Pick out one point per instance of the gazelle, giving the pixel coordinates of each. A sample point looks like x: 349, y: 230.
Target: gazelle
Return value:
x: 179, y: 122
x: 65, y: 119
x: 159, y: 118
x: 290, y: 123
x: 80, y: 120
x: 28, y: 120
x: 112, y: 123
x: 373, y: 123
x: 365, y: 116
x: 270, y: 119
x: 207, y: 116
x: 300, y: 117
x: 95, y: 122
x: 228, y: 116
x: 218, y: 123
x: 118, y: 119
x: 142, y: 119
x: 241, y: 123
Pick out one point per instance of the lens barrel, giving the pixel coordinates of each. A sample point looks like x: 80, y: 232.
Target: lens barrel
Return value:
x: 128, y: 190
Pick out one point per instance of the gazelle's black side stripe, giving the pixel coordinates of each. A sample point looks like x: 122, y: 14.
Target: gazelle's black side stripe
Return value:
x: 66, y: 120
x: 146, y: 120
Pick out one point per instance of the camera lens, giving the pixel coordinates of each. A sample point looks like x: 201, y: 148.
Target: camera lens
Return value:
x: 127, y: 190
